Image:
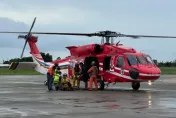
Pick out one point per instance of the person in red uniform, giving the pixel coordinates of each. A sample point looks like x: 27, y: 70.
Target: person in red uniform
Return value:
x: 93, y: 73
x: 50, y: 74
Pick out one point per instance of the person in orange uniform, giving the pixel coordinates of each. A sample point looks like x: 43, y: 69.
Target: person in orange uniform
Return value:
x: 50, y: 74
x: 93, y: 73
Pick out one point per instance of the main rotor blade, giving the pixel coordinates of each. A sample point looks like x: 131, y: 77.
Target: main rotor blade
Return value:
x: 146, y: 36
x: 93, y: 34
x: 23, y: 49
x: 53, y: 33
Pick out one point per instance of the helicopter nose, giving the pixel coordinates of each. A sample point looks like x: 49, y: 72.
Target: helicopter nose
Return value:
x: 144, y: 72
x: 149, y: 73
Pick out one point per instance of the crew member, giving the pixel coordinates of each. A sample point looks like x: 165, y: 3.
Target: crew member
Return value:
x: 81, y: 71
x: 57, y: 78
x: 50, y: 76
x: 93, y: 73
x: 84, y: 75
x: 65, y: 83
x: 76, y: 72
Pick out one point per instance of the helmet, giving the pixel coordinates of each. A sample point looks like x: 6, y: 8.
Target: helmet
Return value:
x: 93, y: 63
x: 58, y: 68
x: 60, y: 72
x: 76, y: 64
x: 65, y: 74
x: 56, y: 64
x: 81, y: 63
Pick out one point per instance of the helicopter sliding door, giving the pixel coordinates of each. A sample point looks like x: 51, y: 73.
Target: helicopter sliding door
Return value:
x: 106, y: 63
x: 88, y: 61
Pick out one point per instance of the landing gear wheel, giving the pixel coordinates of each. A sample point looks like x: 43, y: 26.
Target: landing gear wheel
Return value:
x: 101, y: 84
x: 135, y: 85
x: 56, y: 88
x: 45, y: 83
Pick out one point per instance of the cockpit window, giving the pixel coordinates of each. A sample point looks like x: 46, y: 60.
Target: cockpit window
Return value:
x: 120, y: 62
x: 142, y: 59
x: 149, y: 59
x: 132, y: 60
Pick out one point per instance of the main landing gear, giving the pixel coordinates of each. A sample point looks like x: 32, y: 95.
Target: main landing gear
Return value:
x: 101, y: 84
x: 135, y: 85
x: 45, y: 83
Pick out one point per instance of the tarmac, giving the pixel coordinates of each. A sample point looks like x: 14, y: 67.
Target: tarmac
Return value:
x: 26, y: 96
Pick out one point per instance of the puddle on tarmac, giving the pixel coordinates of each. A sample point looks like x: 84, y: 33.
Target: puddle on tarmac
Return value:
x: 141, y: 107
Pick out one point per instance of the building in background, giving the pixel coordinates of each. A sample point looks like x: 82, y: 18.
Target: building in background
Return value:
x: 4, y: 65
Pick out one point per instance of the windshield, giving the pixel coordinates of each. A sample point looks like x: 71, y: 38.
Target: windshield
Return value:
x: 132, y: 60
x: 142, y: 59
x: 149, y: 59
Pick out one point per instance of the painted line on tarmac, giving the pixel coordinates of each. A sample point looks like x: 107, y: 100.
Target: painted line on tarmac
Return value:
x: 143, y: 89
x: 8, y: 111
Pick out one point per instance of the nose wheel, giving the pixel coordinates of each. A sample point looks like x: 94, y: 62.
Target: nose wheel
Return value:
x: 45, y: 83
x: 135, y: 85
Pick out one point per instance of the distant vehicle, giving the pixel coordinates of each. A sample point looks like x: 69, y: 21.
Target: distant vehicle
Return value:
x: 116, y: 63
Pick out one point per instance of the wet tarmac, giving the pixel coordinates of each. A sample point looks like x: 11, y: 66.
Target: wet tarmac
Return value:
x: 26, y: 96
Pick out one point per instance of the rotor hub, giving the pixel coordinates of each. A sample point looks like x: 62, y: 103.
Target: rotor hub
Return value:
x: 107, y: 33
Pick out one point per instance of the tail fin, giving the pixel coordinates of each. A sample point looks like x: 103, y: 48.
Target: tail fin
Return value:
x: 34, y: 51
x: 39, y: 65
x: 42, y: 66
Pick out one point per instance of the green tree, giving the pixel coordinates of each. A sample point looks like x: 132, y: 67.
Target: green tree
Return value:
x: 5, y: 62
x: 58, y: 58
x: 47, y: 57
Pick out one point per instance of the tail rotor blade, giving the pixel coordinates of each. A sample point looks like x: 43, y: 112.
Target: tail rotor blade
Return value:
x: 21, y: 36
x: 23, y: 48
x: 26, y: 37
x: 32, y: 26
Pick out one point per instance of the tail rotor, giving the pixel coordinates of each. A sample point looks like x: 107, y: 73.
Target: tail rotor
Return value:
x: 26, y: 37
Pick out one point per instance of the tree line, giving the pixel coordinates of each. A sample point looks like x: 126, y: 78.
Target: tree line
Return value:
x: 167, y: 64
x: 48, y: 58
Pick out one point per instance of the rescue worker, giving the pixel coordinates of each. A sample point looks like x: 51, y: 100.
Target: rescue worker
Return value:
x: 80, y: 71
x: 57, y: 78
x: 65, y: 83
x: 84, y: 75
x: 50, y: 76
x: 93, y: 73
x: 76, y: 73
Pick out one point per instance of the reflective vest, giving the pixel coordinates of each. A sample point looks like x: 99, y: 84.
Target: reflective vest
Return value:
x: 57, y: 78
x: 65, y: 80
x: 50, y: 70
x: 76, y: 71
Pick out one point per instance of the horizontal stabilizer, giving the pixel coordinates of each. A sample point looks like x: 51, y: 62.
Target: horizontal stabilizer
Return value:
x: 72, y: 49
x: 22, y: 65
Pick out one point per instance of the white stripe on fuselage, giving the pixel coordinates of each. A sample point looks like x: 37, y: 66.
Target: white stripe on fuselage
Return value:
x: 43, y: 70
x: 142, y: 74
x: 126, y: 76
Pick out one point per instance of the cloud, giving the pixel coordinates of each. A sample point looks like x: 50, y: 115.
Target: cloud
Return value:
x: 53, y: 44
x: 88, y: 17
x: 55, y: 14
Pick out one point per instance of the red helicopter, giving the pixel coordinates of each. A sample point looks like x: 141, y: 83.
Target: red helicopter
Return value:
x: 116, y: 63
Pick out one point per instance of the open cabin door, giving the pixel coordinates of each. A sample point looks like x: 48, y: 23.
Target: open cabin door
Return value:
x: 88, y: 61
x: 106, y: 63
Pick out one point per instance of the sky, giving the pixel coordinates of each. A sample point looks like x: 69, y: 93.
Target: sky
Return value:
x: 149, y: 17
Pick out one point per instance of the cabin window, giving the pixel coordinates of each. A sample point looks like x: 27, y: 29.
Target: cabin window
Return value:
x: 120, y: 62
x: 142, y: 59
x: 149, y: 59
x: 132, y: 60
